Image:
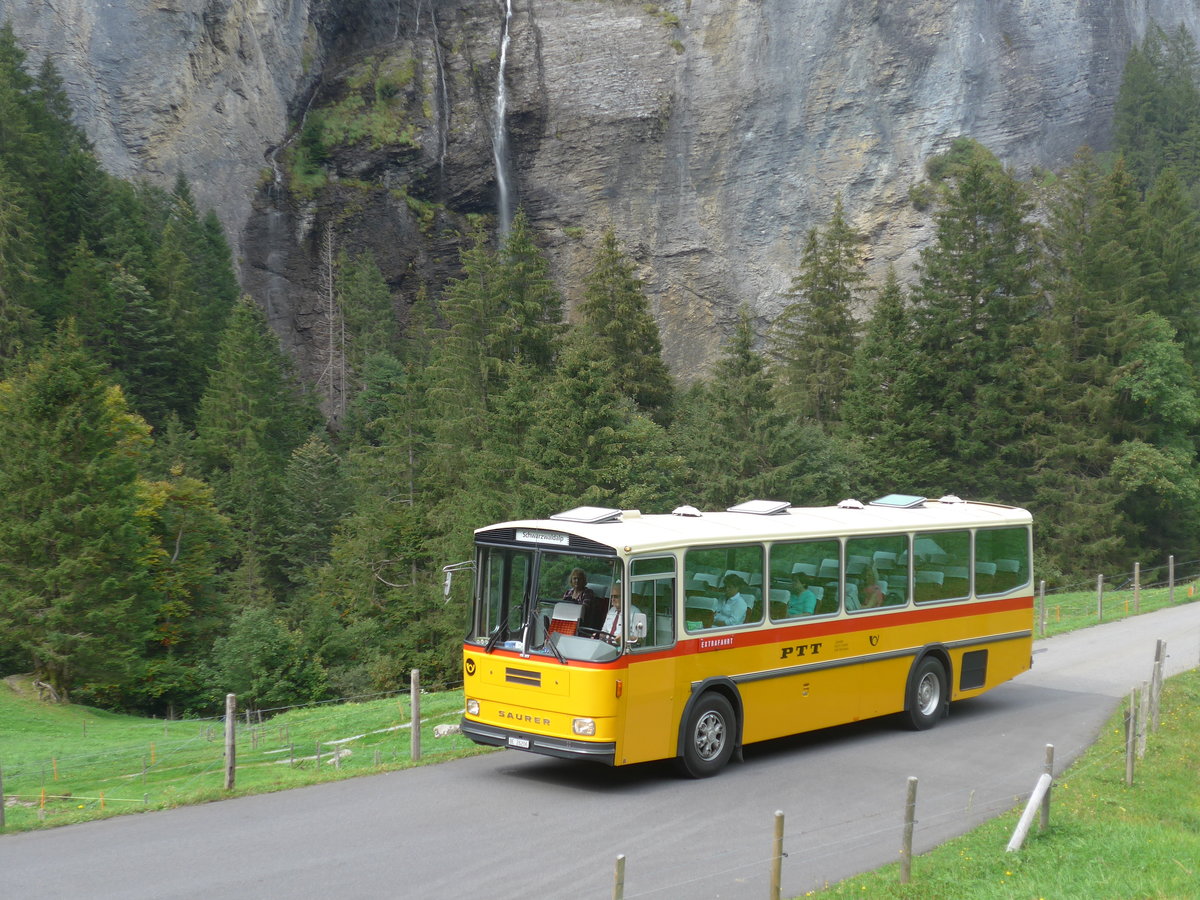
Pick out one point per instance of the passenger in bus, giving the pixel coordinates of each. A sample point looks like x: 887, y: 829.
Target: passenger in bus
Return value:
x: 732, y: 610
x: 803, y: 601
x: 850, y: 597
x: 873, y: 592
x: 594, y: 608
x: 614, y: 622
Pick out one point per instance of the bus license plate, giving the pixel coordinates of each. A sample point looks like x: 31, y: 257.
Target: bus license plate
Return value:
x: 520, y: 743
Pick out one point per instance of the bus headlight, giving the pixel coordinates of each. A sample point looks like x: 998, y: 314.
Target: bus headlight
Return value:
x: 584, y: 727
x: 472, y: 707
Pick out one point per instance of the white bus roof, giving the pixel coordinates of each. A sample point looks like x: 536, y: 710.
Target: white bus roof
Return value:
x: 631, y: 532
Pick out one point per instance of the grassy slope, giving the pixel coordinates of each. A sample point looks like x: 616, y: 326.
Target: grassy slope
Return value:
x: 64, y: 763
x: 1105, y: 841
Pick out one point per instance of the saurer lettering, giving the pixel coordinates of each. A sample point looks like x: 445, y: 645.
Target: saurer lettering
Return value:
x: 520, y: 717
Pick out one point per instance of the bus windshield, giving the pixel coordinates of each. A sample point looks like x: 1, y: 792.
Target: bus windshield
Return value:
x: 545, y: 601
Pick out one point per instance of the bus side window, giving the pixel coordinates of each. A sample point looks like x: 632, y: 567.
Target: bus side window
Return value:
x: 724, y: 586
x: 797, y: 587
x: 652, y: 592
x: 876, y: 574
x: 1001, y: 560
x: 942, y: 566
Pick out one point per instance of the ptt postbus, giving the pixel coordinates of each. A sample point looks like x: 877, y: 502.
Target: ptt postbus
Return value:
x: 726, y: 628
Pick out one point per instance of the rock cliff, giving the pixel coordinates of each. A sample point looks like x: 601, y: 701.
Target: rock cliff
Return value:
x: 712, y: 134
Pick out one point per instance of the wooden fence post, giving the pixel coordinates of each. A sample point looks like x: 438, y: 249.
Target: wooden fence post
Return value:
x: 618, y: 892
x: 415, y: 688
x: 230, y: 740
x: 1143, y: 719
x: 1171, y: 578
x: 1156, y: 682
x: 1137, y: 587
x: 1042, y: 605
x: 1130, y: 737
x: 777, y: 857
x: 1035, y: 800
x: 910, y: 818
x: 1100, y: 597
x: 1044, y: 821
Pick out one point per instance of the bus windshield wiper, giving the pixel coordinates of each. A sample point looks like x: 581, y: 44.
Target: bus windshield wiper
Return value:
x: 492, y: 641
x: 554, y: 649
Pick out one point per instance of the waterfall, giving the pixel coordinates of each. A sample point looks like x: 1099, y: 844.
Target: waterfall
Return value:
x: 442, y: 93
x: 500, y: 133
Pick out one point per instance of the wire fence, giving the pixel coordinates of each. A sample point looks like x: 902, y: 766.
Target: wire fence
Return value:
x: 109, y: 765
x: 826, y: 840
x: 1117, y: 595
x: 106, y: 768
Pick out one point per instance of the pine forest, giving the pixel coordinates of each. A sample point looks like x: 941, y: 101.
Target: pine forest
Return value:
x: 181, y: 516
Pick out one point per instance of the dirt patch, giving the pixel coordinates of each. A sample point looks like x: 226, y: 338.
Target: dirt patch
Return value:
x: 22, y: 686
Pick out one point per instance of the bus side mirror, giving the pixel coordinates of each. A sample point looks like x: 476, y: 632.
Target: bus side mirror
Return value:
x: 638, y: 631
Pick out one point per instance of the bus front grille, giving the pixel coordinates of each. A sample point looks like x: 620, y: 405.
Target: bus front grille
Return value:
x: 523, y: 676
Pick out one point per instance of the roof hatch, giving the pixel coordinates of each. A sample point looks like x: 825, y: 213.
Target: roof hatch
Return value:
x: 761, y: 507
x: 899, y: 501
x: 589, y: 515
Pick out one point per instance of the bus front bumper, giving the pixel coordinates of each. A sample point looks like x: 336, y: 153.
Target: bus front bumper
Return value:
x: 603, y: 752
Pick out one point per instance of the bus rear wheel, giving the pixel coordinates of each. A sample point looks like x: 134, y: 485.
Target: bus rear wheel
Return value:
x: 926, y: 694
x: 708, y: 737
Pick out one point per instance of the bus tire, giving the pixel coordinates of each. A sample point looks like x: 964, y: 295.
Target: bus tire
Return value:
x: 927, y: 696
x: 708, y: 737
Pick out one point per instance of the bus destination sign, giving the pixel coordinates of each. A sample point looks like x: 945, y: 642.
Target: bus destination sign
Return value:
x: 542, y: 537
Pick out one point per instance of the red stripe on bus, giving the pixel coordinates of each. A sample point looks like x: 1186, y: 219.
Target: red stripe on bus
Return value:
x: 732, y: 640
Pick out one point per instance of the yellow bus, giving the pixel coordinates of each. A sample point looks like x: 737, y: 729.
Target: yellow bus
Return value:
x: 725, y: 628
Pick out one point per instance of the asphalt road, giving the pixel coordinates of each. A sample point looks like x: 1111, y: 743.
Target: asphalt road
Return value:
x: 513, y: 825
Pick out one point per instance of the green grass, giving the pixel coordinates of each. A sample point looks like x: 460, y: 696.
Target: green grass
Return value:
x: 1105, y: 840
x: 1078, y: 609
x: 92, y: 764
x: 63, y: 764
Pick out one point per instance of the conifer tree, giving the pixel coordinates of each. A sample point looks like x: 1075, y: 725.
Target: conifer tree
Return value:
x: 619, y: 330
x: 1156, y: 120
x: 740, y: 445
x: 881, y: 420
x: 1171, y: 239
x: 19, y: 327
x: 20, y: 147
x: 192, y: 539
x: 76, y: 557
x: 252, y: 416
x: 147, y: 351
x: 533, y: 324
x: 972, y: 307
x: 1114, y: 398
x: 366, y: 304
x: 589, y: 445
x: 172, y: 284
x: 314, y: 498
x: 69, y: 174
x: 502, y: 315
x: 377, y: 589
x: 814, y: 337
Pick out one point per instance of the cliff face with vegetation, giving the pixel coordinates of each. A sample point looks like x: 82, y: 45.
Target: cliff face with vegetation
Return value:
x: 711, y: 134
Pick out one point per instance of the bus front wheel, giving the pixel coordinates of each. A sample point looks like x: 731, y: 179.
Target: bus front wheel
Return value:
x: 708, y: 736
x: 926, y: 694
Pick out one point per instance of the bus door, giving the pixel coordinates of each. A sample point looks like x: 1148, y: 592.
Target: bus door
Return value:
x: 650, y: 681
